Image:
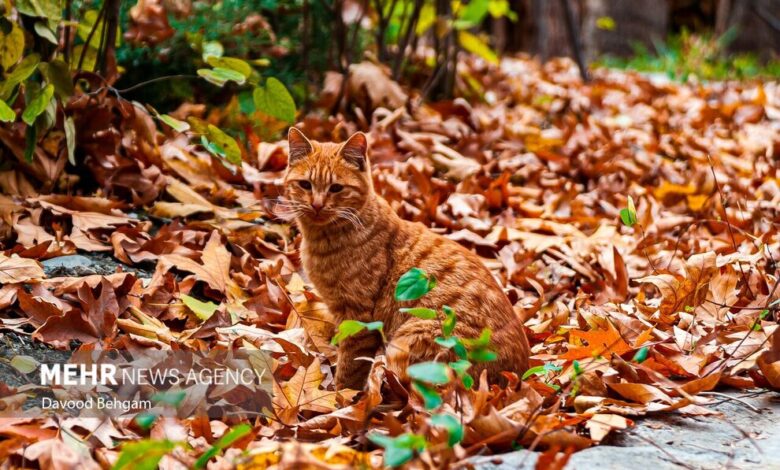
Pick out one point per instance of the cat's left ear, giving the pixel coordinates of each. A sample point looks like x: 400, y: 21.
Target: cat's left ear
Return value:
x: 355, y: 149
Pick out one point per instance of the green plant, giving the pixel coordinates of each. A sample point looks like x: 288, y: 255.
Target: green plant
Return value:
x: 427, y: 378
x: 701, y: 55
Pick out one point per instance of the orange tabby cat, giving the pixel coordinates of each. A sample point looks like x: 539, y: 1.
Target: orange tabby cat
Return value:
x: 354, y: 250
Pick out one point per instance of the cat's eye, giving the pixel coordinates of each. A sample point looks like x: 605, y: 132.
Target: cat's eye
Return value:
x: 335, y: 188
x: 305, y: 184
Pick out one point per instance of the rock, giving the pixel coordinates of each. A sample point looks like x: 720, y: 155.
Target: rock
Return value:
x: 86, y: 265
x: 743, y: 438
x: 68, y: 263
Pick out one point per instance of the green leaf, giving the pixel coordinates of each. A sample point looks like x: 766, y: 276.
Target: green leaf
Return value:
x: 399, y: 449
x: 431, y: 397
x: 420, y: 312
x: 477, y: 46
x: 544, y: 369
x: 11, y: 46
x: 170, y: 397
x: 481, y: 342
x: 349, y: 328
x: 448, y: 325
x: 86, y: 25
x: 7, y: 114
x: 213, y: 148
x: 538, y: 370
x: 227, y: 146
x: 482, y: 355
x: 145, y: 419
x: 374, y: 326
x: 451, y: 424
x: 51, y: 9
x: 274, y: 100
x: 70, y: 139
x: 606, y: 23
x: 143, y: 455
x: 38, y: 104
x: 448, y: 343
x: 577, y: 369
x: 203, y: 310
x: 453, y: 343
x: 472, y: 15
x: 45, y: 32
x: 175, y: 124
x: 501, y: 9
x: 223, y: 443
x: 429, y: 372
x: 461, y: 367
x: 231, y: 63
x: 212, y: 49
x: 628, y: 215
x: 21, y: 72
x: 641, y: 355
x: 219, y: 76
x: 413, y: 284
x: 24, y: 364
x: 57, y: 73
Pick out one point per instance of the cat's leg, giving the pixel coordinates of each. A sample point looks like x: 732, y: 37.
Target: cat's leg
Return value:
x: 352, y: 372
x: 414, y: 342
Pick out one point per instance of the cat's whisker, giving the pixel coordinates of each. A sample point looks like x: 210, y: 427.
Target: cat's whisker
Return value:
x: 351, y: 216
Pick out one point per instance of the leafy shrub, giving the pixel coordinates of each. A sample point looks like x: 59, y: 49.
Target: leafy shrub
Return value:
x: 702, y: 56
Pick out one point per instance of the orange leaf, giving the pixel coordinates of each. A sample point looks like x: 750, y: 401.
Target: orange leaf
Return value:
x: 600, y: 343
x: 640, y: 393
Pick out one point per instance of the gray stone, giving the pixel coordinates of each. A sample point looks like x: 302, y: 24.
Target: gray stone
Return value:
x: 89, y: 264
x: 68, y: 263
x: 745, y: 437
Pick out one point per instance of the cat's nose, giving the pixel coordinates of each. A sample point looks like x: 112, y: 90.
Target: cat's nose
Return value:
x: 317, y: 205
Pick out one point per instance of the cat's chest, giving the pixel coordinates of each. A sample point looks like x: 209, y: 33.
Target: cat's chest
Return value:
x: 345, y: 279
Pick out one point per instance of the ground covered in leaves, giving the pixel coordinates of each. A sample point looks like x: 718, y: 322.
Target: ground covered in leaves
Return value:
x: 631, y: 220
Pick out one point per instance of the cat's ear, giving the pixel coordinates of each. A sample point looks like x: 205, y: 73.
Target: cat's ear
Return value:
x: 300, y: 147
x: 355, y: 149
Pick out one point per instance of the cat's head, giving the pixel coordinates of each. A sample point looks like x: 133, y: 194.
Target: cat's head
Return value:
x: 325, y: 181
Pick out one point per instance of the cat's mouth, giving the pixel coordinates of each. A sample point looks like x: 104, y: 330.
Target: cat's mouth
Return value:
x: 321, y: 217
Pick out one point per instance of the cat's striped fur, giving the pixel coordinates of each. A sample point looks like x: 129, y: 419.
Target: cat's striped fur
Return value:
x: 354, y: 250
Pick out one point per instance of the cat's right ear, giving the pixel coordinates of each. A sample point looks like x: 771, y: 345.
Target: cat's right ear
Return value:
x: 300, y: 147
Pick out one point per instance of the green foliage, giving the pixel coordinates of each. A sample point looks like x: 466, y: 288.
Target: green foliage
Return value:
x: 461, y: 368
x: 170, y: 397
x: 477, y: 46
x: 448, y: 326
x: 685, y: 55
x: 542, y: 370
x: 453, y: 343
x: 220, y: 76
x: 413, y: 284
x: 145, y: 419
x: 641, y: 355
x: 431, y: 397
x: 399, y: 449
x: 143, y: 455
x: 264, y: 33
x: 37, y: 104
x: 453, y: 426
x: 349, y: 328
x: 274, y: 100
x: 6, y: 113
x: 628, y: 213
x: 223, y: 443
x: 434, y: 373
x: 203, y: 310
x: 420, y: 312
